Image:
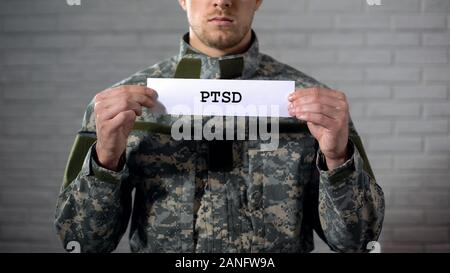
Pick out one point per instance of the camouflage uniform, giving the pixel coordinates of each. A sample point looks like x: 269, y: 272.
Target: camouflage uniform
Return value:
x: 268, y: 201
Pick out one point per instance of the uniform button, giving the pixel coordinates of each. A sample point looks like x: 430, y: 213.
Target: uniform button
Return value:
x: 256, y: 200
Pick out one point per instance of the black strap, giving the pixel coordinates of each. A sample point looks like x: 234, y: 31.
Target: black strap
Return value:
x: 220, y: 152
x: 188, y: 68
x: 220, y: 156
x: 231, y: 68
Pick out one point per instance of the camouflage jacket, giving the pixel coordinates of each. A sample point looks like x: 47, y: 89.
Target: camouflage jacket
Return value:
x: 269, y: 201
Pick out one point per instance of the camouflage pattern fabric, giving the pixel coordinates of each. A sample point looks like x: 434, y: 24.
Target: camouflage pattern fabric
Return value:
x: 271, y: 201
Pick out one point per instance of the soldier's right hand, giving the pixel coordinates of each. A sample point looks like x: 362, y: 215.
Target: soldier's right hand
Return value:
x: 115, y: 113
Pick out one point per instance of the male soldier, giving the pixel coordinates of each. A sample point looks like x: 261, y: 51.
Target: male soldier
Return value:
x: 218, y: 196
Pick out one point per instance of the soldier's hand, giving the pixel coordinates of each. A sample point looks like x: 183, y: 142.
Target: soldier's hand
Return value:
x: 115, y: 113
x: 327, y: 114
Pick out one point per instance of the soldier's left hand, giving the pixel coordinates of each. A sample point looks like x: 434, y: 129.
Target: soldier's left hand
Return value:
x: 327, y: 114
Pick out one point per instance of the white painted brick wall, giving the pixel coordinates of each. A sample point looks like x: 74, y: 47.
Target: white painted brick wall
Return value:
x: 393, y: 62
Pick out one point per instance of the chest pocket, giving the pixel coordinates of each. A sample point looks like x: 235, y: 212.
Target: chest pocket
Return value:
x: 275, y: 193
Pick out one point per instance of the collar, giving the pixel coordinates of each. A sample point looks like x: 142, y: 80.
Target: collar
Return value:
x: 194, y: 64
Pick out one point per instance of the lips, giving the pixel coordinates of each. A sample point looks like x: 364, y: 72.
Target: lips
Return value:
x: 221, y: 20
x: 225, y: 19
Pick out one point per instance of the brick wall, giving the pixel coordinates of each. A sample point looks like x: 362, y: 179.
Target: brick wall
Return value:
x: 392, y: 61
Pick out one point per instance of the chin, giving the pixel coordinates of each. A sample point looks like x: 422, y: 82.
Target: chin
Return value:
x: 224, y: 39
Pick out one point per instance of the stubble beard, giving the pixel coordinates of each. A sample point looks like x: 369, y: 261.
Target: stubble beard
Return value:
x: 221, y: 38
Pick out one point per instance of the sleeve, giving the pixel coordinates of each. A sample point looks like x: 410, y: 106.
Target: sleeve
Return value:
x: 94, y: 204
x: 350, y: 202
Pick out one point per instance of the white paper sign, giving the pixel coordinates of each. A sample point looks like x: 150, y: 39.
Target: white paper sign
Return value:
x: 222, y: 97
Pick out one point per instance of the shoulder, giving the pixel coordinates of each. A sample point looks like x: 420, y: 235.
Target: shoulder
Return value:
x: 272, y: 69
x: 163, y: 69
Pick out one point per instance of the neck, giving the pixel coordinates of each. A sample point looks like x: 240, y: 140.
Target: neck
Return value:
x: 195, y: 42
